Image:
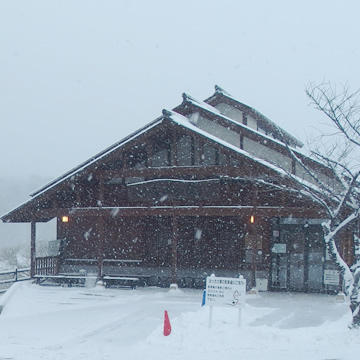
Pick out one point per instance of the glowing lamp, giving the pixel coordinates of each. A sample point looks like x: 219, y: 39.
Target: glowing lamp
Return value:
x: 65, y: 219
x: 252, y: 219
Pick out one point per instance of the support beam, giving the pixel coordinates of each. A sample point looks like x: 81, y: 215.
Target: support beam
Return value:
x: 100, y: 201
x: 101, y: 239
x: 205, y: 210
x: 32, y: 249
x: 174, y: 242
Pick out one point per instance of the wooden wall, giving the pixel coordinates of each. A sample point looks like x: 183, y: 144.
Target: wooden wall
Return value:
x: 202, y: 242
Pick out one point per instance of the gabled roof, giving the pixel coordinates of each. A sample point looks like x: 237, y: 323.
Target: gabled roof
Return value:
x: 206, y: 105
x: 171, y: 116
x: 221, y: 96
x: 190, y: 104
x: 98, y: 156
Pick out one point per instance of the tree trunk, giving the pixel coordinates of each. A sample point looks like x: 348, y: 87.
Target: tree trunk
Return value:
x: 355, y: 300
x: 351, y: 276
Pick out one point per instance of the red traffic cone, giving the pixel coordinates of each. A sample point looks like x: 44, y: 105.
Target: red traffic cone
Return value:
x: 167, y: 326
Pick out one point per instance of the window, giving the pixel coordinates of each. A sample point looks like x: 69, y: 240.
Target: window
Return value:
x: 185, y: 151
x: 136, y: 157
x: 210, y: 156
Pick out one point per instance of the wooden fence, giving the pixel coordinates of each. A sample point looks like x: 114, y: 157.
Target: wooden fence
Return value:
x: 47, y: 265
x: 9, y: 277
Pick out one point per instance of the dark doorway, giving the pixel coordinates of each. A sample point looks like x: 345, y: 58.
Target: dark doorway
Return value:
x: 298, y: 254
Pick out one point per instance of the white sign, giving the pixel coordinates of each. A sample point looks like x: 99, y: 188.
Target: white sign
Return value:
x: 279, y: 248
x: 331, y: 277
x: 227, y: 292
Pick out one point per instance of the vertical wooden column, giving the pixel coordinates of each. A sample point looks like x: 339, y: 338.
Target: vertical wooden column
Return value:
x: 293, y: 166
x: 32, y: 248
x: 244, y: 119
x: 77, y: 197
x: 255, y: 228
x: 201, y: 153
x: 173, y: 149
x: 241, y: 141
x: 100, y: 201
x: 150, y: 152
x: 101, y: 235
x: 101, y: 240
x: 174, y: 241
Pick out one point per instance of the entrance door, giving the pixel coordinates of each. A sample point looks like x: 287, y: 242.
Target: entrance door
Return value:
x: 294, y: 238
x: 316, y: 257
x: 279, y: 266
x: 297, y: 258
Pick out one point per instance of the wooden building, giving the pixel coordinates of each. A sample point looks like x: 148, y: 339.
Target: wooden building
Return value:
x: 202, y: 189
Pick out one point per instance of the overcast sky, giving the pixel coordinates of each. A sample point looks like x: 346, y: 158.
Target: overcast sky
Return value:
x: 77, y: 76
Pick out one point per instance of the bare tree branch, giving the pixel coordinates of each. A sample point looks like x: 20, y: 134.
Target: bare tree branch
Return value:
x: 335, y: 156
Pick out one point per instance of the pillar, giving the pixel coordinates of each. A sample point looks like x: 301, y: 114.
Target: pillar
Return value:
x: 101, y: 240
x: 32, y: 249
x: 175, y: 235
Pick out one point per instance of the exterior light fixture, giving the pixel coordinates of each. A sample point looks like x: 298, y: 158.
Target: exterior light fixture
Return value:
x: 65, y: 219
x: 252, y: 219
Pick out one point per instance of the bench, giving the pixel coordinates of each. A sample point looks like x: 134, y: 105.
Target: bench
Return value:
x: 120, y: 281
x: 64, y: 279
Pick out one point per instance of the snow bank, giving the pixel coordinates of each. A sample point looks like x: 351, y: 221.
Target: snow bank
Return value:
x: 4, y: 299
x: 77, y: 323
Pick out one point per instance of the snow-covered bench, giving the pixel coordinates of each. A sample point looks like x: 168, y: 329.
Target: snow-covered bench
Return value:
x: 120, y: 281
x: 64, y: 279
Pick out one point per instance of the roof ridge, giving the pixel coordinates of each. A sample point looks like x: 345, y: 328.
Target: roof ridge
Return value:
x: 220, y: 90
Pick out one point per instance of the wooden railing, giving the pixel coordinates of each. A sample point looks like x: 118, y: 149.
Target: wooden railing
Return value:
x: 11, y: 276
x: 47, y: 265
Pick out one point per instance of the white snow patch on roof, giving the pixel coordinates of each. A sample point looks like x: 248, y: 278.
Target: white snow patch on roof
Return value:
x: 214, y: 111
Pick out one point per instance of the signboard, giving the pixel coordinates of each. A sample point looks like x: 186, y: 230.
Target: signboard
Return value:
x: 279, y: 248
x: 54, y: 247
x: 331, y: 277
x: 226, y: 292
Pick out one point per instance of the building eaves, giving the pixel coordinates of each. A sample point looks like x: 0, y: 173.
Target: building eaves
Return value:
x: 84, y: 165
x: 98, y: 156
x: 169, y: 115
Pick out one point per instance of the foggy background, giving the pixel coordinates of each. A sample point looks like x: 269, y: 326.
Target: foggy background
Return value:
x: 77, y: 76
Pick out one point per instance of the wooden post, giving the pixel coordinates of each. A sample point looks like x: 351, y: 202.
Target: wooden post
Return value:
x: 100, y: 234
x: 32, y: 249
x: 100, y: 201
x: 100, y: 246
x: 255, y: 233
x: 174, y: 250
x: 173, y: 149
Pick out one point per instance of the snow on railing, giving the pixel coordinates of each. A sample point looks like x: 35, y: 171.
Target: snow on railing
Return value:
x: 11, y: 276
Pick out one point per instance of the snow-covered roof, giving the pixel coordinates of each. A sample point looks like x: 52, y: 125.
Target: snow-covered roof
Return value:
x: 170, y: 116
x: 210, y: 109
x: 278, y: 129
x: 184, y: 121
x: 86, y: 164
x: 100, y: 155
x: 181, y: 120
x: 178, y: 119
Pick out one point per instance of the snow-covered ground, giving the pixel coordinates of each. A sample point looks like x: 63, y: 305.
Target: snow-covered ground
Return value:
x: 39, y: 322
